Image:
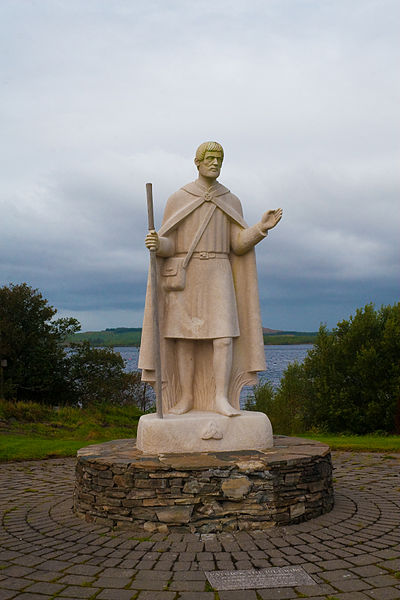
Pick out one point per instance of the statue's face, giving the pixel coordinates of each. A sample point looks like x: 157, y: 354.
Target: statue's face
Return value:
x: 211, y: 165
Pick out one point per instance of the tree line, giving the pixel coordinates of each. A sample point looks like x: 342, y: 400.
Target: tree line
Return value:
x: 37, y: 367
x: 348, y: 382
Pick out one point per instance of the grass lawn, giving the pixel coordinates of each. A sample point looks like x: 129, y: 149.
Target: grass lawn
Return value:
x: 24, y: 447
x: 28, y: 446
x: 31, y: 431
x: 360, y: 443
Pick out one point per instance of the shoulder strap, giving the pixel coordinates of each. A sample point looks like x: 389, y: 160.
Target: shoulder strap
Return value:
x: 198, y: 235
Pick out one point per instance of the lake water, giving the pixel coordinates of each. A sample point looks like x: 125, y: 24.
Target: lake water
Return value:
x: 278, y: 358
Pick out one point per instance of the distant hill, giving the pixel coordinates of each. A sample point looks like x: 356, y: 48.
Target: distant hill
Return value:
x: 130, y: 336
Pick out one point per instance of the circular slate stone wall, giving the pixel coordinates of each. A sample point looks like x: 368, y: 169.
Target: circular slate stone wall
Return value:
x: 117, y: 484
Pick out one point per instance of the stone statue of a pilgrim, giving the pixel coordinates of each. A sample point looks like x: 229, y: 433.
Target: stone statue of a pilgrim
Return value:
x: 211, y: 331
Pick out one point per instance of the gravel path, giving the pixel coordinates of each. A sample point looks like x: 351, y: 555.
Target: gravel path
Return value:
x: 352, y: 553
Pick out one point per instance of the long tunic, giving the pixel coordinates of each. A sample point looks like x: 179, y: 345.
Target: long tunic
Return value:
x: 206, y: 308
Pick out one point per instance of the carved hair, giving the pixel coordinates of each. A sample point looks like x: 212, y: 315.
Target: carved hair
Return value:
x: 208, y: 147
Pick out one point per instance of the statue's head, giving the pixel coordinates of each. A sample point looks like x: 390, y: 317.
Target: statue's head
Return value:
x: 208, y: 147
x: 208, y: 159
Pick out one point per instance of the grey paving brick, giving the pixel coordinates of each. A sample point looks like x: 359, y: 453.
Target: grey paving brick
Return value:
x: 181, y: 566
x: 363, y: 559
x: 44, y: 587
x: 163, y: 566
x: 384, y: 593
x: 368, y: 571
x: 9, y: 555
x: 115, y: 572
x: 45, y: 576
x: 381, y: 581
x: 7, y: 594
x: 204, y: 556
x: 90, y: 570
x: 389, y: 553
x: 339, y: 575
x: 392, y: 565
x: 17, y: 571
x: 29, y: 596
x: 278, y: 562
x: 116, y: 595
x: 78, y: 592
x: 157, y: 596
x: 333, y: 565
x: 75, y: 579
x: 12, y: 583
x: 321, y: 588
x: 160, y: 575
x: 237, y: 595
x: 187, y: 586
x: 148, y: 584
x: 277, y: 594
x: 206, y: 565
x: 227, y: 566
x: 145, y: 564
x: 189, y: 576
x: 53, y: 565
x: 351, y: 585
x: 27, y: 560
x: 197, y: 596
x: 112, y: 582
x: 243, y: 565
x: 351, y: 596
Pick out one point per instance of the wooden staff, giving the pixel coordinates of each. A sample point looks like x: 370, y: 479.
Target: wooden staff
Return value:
x: 154, y: 302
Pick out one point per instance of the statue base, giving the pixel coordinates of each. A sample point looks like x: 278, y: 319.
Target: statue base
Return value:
x: 203, y: 431
x: 117, y: 485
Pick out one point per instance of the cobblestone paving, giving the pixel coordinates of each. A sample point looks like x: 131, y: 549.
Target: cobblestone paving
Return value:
x: 353, y: 553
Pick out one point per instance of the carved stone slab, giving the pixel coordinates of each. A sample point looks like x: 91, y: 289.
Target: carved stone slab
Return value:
x: 202, y: 431
x: 252, y: 579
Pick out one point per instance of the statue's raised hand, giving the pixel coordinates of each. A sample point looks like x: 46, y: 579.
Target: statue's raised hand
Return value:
x: 270, y: 219
x: 152, y: 240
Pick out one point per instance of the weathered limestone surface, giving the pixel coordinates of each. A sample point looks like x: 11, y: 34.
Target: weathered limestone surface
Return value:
x: 250, y: 489
x: 203, y: 431
x: 207, y: 305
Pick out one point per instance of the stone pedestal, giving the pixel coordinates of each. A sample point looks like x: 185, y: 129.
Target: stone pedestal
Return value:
x: 116, y: 484
x: 201, y: 431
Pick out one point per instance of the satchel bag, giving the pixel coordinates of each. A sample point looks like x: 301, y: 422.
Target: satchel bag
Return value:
x: 174, y: 268
x: 174, y: 273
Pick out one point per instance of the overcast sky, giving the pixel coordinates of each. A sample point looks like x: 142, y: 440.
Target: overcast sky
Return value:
x: 98, y: 97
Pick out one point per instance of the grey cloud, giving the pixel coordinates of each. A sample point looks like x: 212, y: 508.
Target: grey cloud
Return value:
x: 98, y: 98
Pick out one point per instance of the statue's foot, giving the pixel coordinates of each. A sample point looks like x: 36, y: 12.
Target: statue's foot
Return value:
x: 223, y: 407
x: 182, y: 407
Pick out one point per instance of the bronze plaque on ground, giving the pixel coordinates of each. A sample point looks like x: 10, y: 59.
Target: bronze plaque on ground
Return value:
x: 259, y: 578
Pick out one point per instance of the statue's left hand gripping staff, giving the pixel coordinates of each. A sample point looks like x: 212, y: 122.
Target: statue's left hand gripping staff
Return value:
x: 154, y: 302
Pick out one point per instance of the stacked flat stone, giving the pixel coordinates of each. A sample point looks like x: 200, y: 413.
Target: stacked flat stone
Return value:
x: 204, y: 492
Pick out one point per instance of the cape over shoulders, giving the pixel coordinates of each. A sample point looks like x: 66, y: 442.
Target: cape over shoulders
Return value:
x: 192, y: 194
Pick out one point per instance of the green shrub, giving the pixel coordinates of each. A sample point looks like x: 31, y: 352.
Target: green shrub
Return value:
x: 284, y: 405
x: 350, y: 379
x: 354, y: 374
x: 289, y: 400
x: 24, y: 412
x: 263, y: 398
